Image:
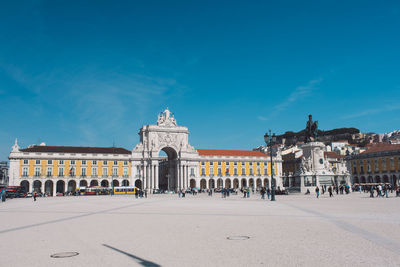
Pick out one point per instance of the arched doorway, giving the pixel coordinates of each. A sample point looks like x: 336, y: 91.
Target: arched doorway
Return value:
x: 203, y: 184
x: 235, y: 183
x: 25, y: 184
x: 244, y: 182
x: 48, y: 187
x: 363, y: 180
x: 83, y: 183
x: 192, y: 183
x: 228, y: 183
x: 104, y: 183
x: 211, y: 184
x: 258, y: 183
x: 115, y: 183
x: 356, y: 180
x: 168, y: 170
x: 220, y: 183
x: 394, y: 180
x: 71, y: 186
x: 385, y: 179
x: 138, y: 184
x: 266, y: 182
x: 251, y: 183
x: 37, y: 186
x: 60, y: 186
x: 377, y: 179
x: 125, y: 183
x: 370, y: 179
x: 94, y: 183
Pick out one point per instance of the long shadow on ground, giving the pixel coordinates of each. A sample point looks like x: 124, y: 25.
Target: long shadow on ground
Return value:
x: 139, y: 260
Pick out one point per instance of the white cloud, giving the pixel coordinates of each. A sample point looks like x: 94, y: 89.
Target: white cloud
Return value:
x: 297, y: 94
x: 369, y: 112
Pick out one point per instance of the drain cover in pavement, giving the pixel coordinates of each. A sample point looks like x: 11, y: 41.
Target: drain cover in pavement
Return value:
x: 64, y: 254
x: 238, y: 237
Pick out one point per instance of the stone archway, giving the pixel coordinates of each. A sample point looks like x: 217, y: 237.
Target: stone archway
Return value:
x: 37, y: 186
x: 104, y: 183
x: 25, y: 184
x: 48, y: 187
x: 83, y: 183
x: 169, y: 171
x: 203, y: 184
x: 220, y: 183
x: 94, y: 183
x: 211, y: 183
x: 228, y: 183
x: 138, y: 184
x: 244, y: 182
x: 115, y: 183
x: 125, y: 183
x: 71, y: 186
x: 192, y: 183
x: 60, y: 186
x: 235, y: 183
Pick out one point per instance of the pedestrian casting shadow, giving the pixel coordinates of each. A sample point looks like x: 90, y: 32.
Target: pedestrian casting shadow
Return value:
x: 141, y: 261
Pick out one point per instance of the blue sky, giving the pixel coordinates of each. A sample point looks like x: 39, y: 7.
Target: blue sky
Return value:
x: 91, y: 73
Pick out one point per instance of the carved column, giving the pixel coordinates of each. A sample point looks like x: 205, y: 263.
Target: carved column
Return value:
x: 157, y: 176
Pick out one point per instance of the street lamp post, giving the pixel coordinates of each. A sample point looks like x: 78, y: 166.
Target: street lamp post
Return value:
x: 269, y: 140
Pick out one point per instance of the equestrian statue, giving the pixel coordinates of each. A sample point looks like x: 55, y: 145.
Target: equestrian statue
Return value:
x: 311, y: 131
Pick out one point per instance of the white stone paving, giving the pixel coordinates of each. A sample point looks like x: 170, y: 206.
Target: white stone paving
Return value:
x: 163, y: 230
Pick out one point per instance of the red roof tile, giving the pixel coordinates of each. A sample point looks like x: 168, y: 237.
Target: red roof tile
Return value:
x: 331, y: 154
x: 232, y: 153
x: 381, y: 148
x: 77, y: 149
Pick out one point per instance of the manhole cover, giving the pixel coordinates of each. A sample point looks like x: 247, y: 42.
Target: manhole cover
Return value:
x: 64, y: 254
x: 238, y: 237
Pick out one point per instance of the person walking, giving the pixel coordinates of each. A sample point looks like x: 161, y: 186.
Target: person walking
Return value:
x: 317, y: 191
x: 34, y: 196
x: 262, y: 192
x: 268, y: 192
x: 371, y: 191
x: 330, y: 191
x: 386, y: 190
x: 3, y: 195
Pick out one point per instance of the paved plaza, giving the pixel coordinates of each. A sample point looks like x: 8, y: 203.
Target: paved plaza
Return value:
x: 164, y: 230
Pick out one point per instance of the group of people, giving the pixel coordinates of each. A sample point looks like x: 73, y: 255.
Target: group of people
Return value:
x: 265, y: 190
x: 332, y: 188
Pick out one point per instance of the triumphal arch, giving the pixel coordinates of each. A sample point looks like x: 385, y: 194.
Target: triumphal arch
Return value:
x: 170, y: 172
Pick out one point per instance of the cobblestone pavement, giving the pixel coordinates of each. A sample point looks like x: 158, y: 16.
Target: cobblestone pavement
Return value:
x: 164, y: 230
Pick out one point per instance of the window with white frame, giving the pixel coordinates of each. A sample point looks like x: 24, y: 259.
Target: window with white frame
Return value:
x: 191, y: 171
x: 203, y: 172
x: 25, y: 161
x: 37, y: 171
x: 104, y: 162
x: 72, y: 172
x: 61, y: 162
x: 125, y: 172
x: 235, y: 171
x: 243, y: 171
x: 369, y: 166
x: 211, y: 171
x: 115, y: 172
x: 105, y: 172
x: 49, y: 162
x: 94, y: 162
x: 38, y: 162
x: 219, y: 172
x: 392, y: 164
x: 138, y: 171
x: 61, y: 171
x: 72, y: 162
x: 49, y: 172
x: 94, y: 171
x: 384, y: 164
x: 25, y: 171
x: 125, y: 163
x: 115, y: 162
x: 83, y: 171
x: 83, y: 162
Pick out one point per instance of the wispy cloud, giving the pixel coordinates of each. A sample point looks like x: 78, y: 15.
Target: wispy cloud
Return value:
x: 373, y: 111
x: 297, y: 94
